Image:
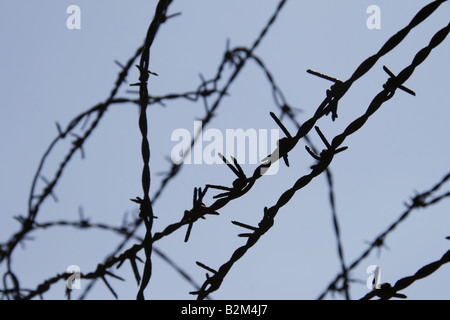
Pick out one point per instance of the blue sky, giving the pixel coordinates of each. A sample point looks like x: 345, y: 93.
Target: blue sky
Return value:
x: 51, y: 74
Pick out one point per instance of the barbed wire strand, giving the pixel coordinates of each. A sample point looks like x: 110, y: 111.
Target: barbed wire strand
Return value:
x: 212, y: 283
x: 122, y: 230
x: 329, y: 105
x: 203, y: 91
x: 222, y: 93
x: 238, y: 68
x: 322, y: 110
x: 418, y: 201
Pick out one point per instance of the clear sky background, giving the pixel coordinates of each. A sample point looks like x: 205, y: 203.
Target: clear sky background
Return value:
x: 50, y: 74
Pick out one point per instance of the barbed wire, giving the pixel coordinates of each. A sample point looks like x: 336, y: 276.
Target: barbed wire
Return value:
x: 387, y: 291
x: 146, y: 210
x: 203, y: 91
x: 209, y: 89
x: 84, y: 224
x: 422, y: 200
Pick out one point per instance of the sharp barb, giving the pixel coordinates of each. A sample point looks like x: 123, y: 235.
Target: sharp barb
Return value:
x: 315, y: 156
x: 245, y: 235
x: 119, y: 64
x: 188, y: 232
x: 201, y: 193
x: 230, y: 165
x: 221, y: 195
x: 407, y: 90
x: 283, y: 128
x: 218, y: 187
x: 401, y: 87
x: 325, y: 141
x: 206, y: 267
x: 389, y: 72
x: 194, y: 200
x: 135, y: 271
x: 323, y: 76
x: 60, y: 132
x: 340, y: 149
x: 286, y: 160
x: 240, y: 172
x: 114, y: 276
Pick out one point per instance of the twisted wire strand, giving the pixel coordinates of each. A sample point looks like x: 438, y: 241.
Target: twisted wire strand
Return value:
x: 304, y: 129
x: 212, y: 283
x: 85, y: 224
x: 286, y: 109
x: 387, y: 291
x: 222, y: 92
x: 203, y: 91
x: 132, y: 251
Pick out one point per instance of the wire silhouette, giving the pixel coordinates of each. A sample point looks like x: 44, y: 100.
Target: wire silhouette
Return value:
x: 81, y: 128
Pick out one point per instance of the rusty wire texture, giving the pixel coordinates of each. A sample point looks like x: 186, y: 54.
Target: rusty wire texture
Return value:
x: 206, y: 91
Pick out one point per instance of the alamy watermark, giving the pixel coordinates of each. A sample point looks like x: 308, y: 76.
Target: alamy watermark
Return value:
x: 251, y: 146
x: 74, y: 281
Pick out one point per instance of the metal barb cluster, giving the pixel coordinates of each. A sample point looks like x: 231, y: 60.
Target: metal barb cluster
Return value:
x: 211, y: 92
